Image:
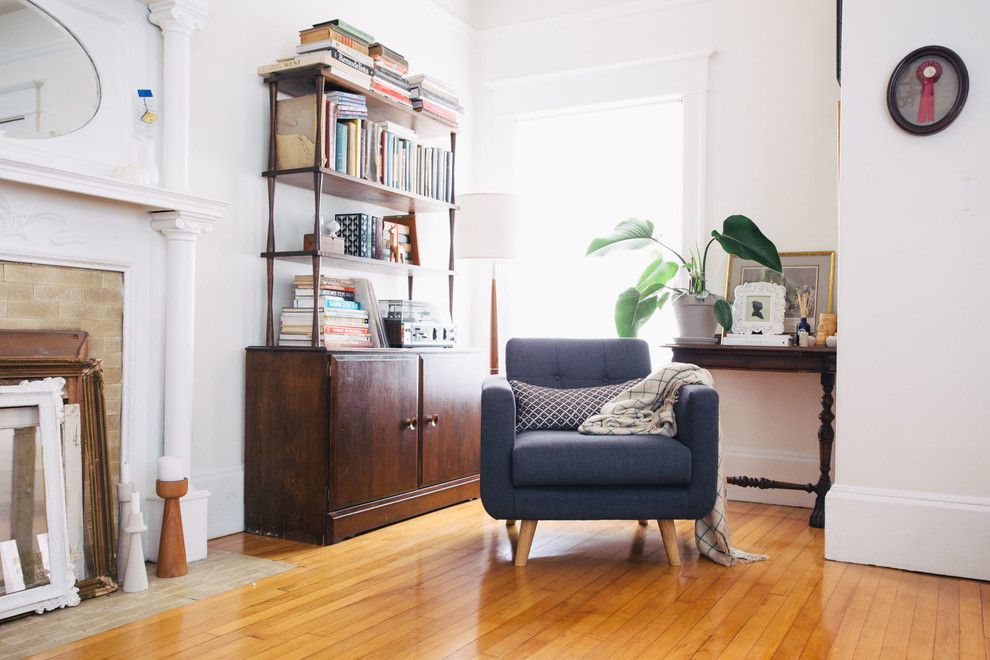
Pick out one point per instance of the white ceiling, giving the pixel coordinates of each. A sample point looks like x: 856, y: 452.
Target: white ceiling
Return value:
x: 488, y: 14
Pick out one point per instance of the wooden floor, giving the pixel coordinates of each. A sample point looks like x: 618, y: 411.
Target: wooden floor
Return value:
x: 443, y: 585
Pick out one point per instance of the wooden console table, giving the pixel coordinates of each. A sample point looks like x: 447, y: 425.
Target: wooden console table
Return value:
x: 792, y: 359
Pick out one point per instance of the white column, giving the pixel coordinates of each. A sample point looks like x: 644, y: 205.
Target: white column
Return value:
x: 181, y: 230
x: 177, y: 20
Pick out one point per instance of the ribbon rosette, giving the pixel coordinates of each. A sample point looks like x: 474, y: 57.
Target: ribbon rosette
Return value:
x: 928, y: 73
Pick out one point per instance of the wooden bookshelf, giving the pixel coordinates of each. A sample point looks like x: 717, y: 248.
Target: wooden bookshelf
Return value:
x: 339, y: 184
x: 350, y: 262
x: 299, y: 82
x: 319, y: 80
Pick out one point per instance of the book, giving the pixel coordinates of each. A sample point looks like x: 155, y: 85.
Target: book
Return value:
x: 340, y: 155
x: 435, y: 109
x: 385, y: 55
x: 333, y: 44
x: 387, y: 74
x: 427, y: 95
x: 757, y: 340
x: 347, y: 29
x: 323, y: 32
x: 423, y: 80
x: 391, y: 92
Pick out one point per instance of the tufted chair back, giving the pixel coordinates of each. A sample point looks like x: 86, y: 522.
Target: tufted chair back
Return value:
x: 566, y: 363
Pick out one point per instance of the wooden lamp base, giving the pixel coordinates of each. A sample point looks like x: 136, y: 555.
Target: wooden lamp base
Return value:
x: 172, y: 545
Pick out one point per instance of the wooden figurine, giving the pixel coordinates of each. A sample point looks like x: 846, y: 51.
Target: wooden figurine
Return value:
x: 827, y: 326
x: 394, y: 254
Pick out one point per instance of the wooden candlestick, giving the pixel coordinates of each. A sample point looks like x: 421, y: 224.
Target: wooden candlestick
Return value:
x: 172, y: 545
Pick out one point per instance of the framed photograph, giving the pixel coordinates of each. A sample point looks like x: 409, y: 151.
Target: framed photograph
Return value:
x: 758, y: 308
x: 927, y: 90
x: 813, y: 272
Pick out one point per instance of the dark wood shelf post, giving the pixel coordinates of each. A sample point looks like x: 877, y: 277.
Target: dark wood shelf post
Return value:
x: 317, y: 202
x: 270, y: 242
x: 452, y: 214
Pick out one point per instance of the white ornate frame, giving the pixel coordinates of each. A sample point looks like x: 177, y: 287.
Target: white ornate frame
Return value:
x: 60, y: 591
x: 774, y: 324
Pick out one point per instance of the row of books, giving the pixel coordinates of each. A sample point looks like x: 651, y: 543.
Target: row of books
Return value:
x: 354, y: 55
x: 371, y: 237
x: 379, y: 151
x: 341, y: 319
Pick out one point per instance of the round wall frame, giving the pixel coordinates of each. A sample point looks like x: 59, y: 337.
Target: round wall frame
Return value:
x: 927, y: 90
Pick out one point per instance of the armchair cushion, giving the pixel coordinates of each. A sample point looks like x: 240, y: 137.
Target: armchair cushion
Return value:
x: 560, y: 409
x: 568, y: 458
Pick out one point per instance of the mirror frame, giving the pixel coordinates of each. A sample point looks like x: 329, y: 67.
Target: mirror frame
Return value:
x: 92, y: 63
x: 60, y: 591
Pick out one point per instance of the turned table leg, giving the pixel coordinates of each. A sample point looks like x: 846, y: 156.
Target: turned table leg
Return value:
x: 826, y: 436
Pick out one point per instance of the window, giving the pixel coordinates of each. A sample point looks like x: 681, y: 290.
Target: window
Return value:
x: 579, y: 173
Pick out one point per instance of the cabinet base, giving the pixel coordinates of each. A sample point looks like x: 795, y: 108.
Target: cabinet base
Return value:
x: 345, y: 523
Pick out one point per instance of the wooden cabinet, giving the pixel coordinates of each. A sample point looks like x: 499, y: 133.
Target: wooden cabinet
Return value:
x: 337, y: 443
x: 450, y: 412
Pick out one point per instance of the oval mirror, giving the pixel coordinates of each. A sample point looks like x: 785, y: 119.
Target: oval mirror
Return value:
x: 48, y: 83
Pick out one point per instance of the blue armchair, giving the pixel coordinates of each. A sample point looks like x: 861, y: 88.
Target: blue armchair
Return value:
x: 564, y: 475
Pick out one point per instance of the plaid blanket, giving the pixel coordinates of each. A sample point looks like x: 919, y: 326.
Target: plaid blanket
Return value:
x: 648, y: 408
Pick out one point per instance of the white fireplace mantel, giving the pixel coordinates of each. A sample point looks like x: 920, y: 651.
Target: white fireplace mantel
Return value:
x: 150, y: 198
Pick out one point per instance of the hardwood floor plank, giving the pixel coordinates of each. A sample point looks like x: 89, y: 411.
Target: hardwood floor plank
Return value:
x: 443, y: 585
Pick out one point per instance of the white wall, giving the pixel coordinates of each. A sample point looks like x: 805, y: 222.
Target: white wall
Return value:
x: 913, y: 455
x: 771, y: 154
x: 229, y: 151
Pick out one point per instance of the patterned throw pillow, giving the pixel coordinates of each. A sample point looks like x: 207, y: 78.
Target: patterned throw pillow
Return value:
x: 552, y: 409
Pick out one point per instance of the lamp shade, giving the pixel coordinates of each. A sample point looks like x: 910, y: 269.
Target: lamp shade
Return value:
x: 488, y: 227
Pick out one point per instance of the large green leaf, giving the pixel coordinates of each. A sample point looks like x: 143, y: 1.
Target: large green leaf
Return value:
x: 627, y: 235
x: 631, y: 312
x: 740, y: 236
x: 656, y: 276
x: 723, y: 314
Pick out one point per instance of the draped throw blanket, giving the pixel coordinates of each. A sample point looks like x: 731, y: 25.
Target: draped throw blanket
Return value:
x: 648, y: 408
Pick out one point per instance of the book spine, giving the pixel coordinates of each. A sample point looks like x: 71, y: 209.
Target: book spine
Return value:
x: 340, y: 147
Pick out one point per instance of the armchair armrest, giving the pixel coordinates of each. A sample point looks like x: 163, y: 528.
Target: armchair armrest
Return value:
x: 498, y: 435
x: 696, y: 412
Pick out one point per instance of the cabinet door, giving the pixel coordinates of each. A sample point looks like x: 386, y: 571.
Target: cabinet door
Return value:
x: 451, y: 415
x: 373, y: 421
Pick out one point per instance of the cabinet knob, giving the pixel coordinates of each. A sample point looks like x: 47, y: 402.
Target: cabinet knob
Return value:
x: 434, y: 419
x: 410, y: 423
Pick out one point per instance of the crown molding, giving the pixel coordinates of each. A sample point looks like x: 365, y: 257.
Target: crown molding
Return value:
x: 540, y: 25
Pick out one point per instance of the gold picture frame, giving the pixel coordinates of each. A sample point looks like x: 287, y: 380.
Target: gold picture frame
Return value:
x: 820, y: 264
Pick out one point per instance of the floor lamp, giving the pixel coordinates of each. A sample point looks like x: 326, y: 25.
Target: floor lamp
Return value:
x: 487, y: 230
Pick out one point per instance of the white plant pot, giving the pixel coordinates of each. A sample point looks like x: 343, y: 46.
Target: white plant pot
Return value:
x: 696, y: 319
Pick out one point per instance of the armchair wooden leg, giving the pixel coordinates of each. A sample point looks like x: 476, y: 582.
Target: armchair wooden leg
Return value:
x: 669, y: 534
x: 510, y: 523
x: 643, y: 523
x: 525, y: 542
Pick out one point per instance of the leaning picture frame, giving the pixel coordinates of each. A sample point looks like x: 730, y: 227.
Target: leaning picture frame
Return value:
x: 812, y: 271
x: 36, y: 566
x: 758, y: 308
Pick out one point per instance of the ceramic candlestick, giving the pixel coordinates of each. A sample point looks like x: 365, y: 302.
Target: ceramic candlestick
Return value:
x: 172, y: 546
x: 124, y: 492
x: 135, y: 576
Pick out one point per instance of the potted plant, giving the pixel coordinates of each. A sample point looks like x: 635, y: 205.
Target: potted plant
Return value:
x: 697, y: 309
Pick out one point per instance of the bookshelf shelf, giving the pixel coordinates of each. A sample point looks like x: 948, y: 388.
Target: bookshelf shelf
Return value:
x: 346, y: 261
x: 298, y: 82
x: 339, y: 184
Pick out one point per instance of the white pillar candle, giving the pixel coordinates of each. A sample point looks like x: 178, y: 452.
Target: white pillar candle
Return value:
x: 170, y: 468
x: 135, y: 502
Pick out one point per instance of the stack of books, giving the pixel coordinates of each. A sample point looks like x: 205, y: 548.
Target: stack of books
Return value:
x: 435, y: 98
x: 341, y: 320
x: 353, y: 55
x: 389, y: 76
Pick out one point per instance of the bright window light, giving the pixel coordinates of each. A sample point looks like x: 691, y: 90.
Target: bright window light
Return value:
x: 579, y: 173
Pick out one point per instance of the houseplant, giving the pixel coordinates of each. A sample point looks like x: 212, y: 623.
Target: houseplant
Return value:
x: 697, y: 309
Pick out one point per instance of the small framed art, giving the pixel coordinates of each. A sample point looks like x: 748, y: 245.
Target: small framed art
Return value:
x: 811, y: 272
x: 758, y: 308
x: 927, y: 90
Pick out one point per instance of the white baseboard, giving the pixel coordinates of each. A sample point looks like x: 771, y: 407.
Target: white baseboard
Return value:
x: 913, y: 530
x: 226, y: 512
x: 797, y: 467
